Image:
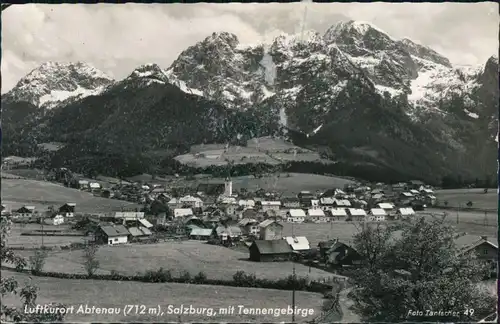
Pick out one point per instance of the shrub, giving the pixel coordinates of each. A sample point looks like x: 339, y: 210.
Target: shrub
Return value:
x: 185, y: 276
x: 201, y: 277
x: 37, y: 261
x: 90, y: 262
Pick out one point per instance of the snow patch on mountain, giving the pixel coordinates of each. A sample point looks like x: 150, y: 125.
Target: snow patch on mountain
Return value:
x: 392, y: 92
x: 471, y: 114
x: 52, y: 83
x: 55, y: 97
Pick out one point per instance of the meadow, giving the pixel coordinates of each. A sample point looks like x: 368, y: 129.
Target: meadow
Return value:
x: 458, y: 198
x: 15, y: 239
x: 287, y: 183
x: 72, y: 292
x: 215, y: 261
x: 41, y: 194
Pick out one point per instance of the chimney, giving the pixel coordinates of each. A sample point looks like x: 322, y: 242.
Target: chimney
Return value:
x: 484, y: 238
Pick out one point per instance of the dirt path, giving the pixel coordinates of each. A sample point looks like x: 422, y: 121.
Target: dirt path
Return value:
x: 348, y: 316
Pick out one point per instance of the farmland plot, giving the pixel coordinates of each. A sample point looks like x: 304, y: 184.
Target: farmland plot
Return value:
x: 217, y: 262
x: 72, y: 292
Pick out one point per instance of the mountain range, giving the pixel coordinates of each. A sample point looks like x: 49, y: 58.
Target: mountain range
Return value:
x: 354, y: 94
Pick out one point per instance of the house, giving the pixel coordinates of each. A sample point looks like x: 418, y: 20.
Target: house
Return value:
x: 83, y: 184
x: 378, y: 196
x: 271, y: 230
x: 317, y: 215
x: 406, y: 195
x: 270, y: 250
x: 305, y: 198
x: 415, y: 184
x: 139, y: 232
x: 225, y: 232
x: 25, y: 211
x: 67, y: 210
x: 298, y: 243
x: 193, y: 220
x: 484, y: 248
x: 183, y: 212
x: 338, y: 213
x: 145, y: 223
x: 249, y: 213
x: 323, y: 247
x: 377, y: 214
x: 111, y: 234
x: 430, y: 200
x: 356, y: 214
x: 426, y: 191
x: 290, y: 202
x: 231, y: 210
x: 201, y: 233
x: 94, y: 186
x: 326, y: 202
x: 315, y: 203
x: 341, y: 254
x: 246, y: 203
x: 414, y: 192
x: 249, y: 226
x: 295, y: 216
x: 54, y: 220
x: 386, y: 206
x: 405, y: 212
x: 344, y: 203
x: 269, y: 205
x: 191, y: 202
x: 174, y: 203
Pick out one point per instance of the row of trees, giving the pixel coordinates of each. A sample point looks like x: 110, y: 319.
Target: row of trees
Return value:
x: 418, y: 267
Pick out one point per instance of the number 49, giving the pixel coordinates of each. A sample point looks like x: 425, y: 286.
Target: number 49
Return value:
x: 469, y: 312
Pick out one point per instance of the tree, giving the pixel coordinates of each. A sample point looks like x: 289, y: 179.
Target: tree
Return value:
x: 37, y: 261
x: 90, y: 262
x: 10, y: 286
x: 418, y: 268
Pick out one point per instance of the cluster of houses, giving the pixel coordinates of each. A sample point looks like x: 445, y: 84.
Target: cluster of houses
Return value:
x: 29, y: 214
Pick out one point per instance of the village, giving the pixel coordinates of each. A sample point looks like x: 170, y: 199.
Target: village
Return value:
x: 265, y: 224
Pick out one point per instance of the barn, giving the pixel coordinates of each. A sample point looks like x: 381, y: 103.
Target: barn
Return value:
x: 270, y: 250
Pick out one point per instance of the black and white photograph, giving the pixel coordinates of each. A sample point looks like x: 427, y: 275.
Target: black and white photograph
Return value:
x: 293, y: 162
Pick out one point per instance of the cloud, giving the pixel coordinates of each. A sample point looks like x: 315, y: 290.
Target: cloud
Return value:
x: 118, y: 38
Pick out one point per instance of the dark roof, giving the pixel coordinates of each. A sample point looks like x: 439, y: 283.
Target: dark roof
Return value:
x: 326, y: 244
x: 272, y: 246
x: 114, y: 230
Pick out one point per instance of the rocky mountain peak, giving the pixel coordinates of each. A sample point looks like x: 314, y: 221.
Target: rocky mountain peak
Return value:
x: 54, y: 82
x: 357, y: 33
x: 423, y: 52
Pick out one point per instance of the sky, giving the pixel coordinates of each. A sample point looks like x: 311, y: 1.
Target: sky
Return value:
x: 118, y: 38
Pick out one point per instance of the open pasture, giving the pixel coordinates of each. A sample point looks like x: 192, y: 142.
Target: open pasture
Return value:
x: 15, y: 239
x: 215, y: 261
x: 287, y: 183
x: 17, y: 193
x: 33, y: 174
x: 315, y: 233
x: 272, y: 144
x: 73, y: 292
x: 458, y: 198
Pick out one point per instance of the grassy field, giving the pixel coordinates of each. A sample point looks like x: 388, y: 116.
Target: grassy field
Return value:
x: 192, y: 256
x: 287, y: 183
x: 41, y: 194
x: 15, y: 239
x: 33, y: 174
x: 117, y: 294
x: 469, y: 222
x: 460, y: 197
x: 316, y: 233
